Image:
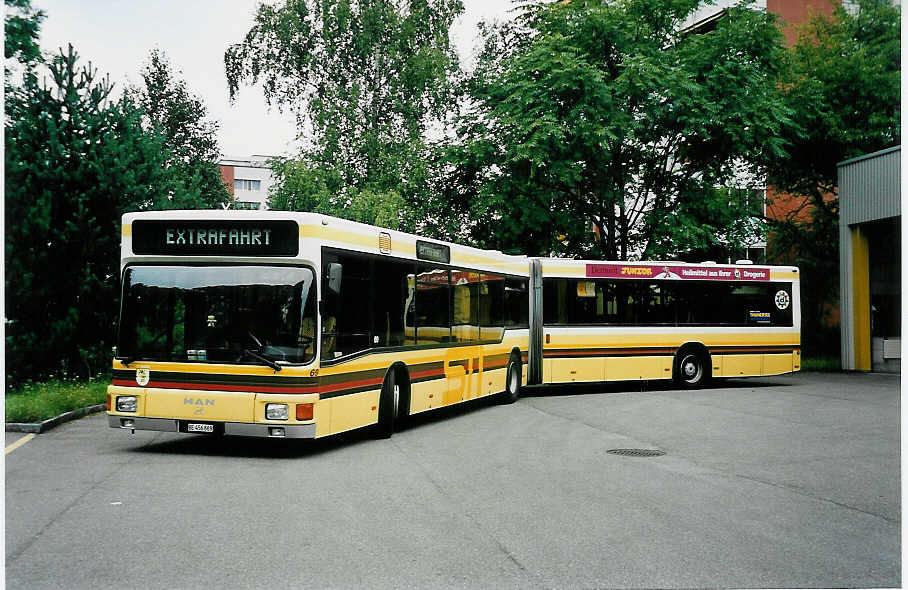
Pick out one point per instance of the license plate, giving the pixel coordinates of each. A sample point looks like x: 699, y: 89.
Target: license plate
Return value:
x: 200, y: 428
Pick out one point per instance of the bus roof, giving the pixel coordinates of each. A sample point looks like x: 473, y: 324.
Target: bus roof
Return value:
x: 332, y: 232
x: 351, y: 235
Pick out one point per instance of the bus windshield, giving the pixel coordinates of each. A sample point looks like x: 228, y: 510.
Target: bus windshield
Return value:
x: 225, y: 314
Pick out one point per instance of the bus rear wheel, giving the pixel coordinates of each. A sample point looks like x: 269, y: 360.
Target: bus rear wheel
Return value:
x: 691, y: 369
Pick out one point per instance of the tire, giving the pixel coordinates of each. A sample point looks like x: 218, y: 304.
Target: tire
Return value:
x: 388, y: 406
x: 512, y: 382
x: 691, y: 369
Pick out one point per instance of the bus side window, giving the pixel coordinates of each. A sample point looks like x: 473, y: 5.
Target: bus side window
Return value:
x: 517, y: 303
x: 693, y: 299
x: 390, y: 291
x: 625, y: 302
x: 432, y: 311
x: 465, y: 306
x: 346, y: 315
x: 657, y: 304
x: 329, y: 309
x: 491, y: 308
x: 555, y: 301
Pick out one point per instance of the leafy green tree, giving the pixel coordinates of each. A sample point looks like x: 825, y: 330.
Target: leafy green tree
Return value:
x: 172, y: 112
x: 607, y: 114
x: 366, y: 80
x: 304, y: 186
x: 843, y: 87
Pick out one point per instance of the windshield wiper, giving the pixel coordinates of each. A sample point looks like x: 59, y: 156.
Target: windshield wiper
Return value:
x: 261, y: 357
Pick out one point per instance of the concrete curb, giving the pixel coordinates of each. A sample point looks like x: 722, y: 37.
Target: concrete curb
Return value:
x: 39, y: 427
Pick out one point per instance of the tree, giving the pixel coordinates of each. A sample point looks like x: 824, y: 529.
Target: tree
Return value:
x: 843, y: 88
x: 366, y: 79
x: 179, y: 117
x: 304, y: 186
x: 21, y: 25
x: 608, y: 114
x: 75, y: 159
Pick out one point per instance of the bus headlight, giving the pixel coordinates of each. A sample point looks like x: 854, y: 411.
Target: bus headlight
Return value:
x: 276, y: 411
x: 127, y: 403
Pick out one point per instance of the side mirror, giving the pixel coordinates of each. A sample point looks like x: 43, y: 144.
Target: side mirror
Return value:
x: 335, y: 273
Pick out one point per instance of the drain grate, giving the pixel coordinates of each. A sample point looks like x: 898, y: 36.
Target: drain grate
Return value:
x: 636, y: 452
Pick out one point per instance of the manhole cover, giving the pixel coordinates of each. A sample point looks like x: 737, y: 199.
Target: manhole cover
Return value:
x: 636, y: 452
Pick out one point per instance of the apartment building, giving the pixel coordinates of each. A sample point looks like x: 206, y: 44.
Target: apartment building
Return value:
x: 248, y: 180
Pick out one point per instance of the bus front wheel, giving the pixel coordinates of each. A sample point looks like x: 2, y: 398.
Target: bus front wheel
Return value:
x: 388, y: 405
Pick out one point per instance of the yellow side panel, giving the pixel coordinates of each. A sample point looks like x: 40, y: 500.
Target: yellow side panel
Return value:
x: 861, y: 288
x: 475, y: 387
x: 742, y: 365
x: 577, y: 370
x: 796, y: 360
x: 200, y: 405
x: 493, y: 381
x: 717, y: 365
x: 426, y: 395
x: 322, y: 415
x: 547, y: 371
x: 458, y: 380
x: 639, y: 367
x: 776, y: 364
x: 353, y: 411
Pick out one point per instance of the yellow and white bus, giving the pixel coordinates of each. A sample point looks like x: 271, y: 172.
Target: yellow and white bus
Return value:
x: 615, y: 321
x: 300, y: 325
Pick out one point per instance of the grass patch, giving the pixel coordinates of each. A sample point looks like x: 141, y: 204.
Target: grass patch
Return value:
x: 35, y: 402
x: 825, y: 364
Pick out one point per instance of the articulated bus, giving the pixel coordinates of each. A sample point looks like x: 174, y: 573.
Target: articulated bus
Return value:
x: 300, y: 325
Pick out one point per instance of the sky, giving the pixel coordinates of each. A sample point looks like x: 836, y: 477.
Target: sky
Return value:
x: 117, y: 36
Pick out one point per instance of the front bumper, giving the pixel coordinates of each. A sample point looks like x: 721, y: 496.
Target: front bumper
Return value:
x: 230, y: 428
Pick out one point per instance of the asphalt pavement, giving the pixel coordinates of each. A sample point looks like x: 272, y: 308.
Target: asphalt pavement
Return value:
x: 790, y: 481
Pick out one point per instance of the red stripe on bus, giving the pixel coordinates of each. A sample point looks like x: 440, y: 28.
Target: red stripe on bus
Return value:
x: 348, y: 385
x: 332, y: 388
x: 427, y: 373
x: 491, y: 366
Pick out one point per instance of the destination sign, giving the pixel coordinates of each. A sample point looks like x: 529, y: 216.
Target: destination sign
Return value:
x: 216, y: 237
x: 668, y: 271
x: 433, y: 252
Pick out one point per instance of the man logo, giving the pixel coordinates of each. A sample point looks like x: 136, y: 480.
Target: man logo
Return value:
x: 197, y: 401
x: 143, y: 376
